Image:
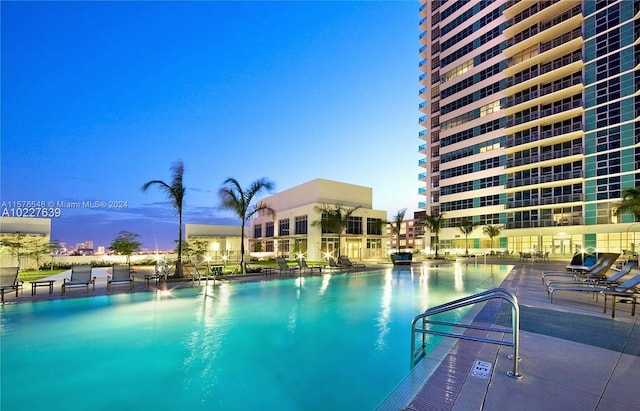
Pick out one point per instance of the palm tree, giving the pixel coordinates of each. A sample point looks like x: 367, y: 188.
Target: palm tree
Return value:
x: 396, y: 225
x: 334, y: 219
x: 466, y: 226
x: 630, y: 202
x: 435, y: 224
x: 492, y: 231
x: 234, y: 198
x: 175, y: 192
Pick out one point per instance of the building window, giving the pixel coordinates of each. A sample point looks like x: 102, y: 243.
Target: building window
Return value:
x: 283, y: 227
x: 374, y: 226
x: 301, y: 225
x: 490, y: 108
x: 354, y: 225
x: 283, y: 247
x: 269, y: 246
x: 257, y: 231
x: 268, y: 228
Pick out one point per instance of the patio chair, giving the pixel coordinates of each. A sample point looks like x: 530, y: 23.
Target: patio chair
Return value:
x: 302, y: 264
x: 332, y: 264
x: 120, y: 275
x: 607, y: 281
x: 80, y: 277
x: 628, y: 288
x: 599, y: 269
x: 625, y: 292
x: 283, y: 267
x: 578, y: 263
x: 344, y: 261
x: 160, y: 271
x: 9, y: 281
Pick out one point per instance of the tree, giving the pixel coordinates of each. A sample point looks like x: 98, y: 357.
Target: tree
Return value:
x: 125, y: 244
x: 17, y: 245
x: 175, y: 192
x: 630, y: 202
x: 396, y: 225
x: 234, y: 198
x: 37, y: 246
x: 22, y: 245
x: 466, y: 226
x: 492, y: 231
x: 334, y: 219
x: 435, y: 224
x: 198, y: 247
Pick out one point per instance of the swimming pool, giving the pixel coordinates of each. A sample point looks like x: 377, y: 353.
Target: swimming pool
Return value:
x: 338, y: 342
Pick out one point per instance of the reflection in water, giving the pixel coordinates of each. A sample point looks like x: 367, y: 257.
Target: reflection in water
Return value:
x: 458, y: 282
x: 325, y: 284
x: 205, y: 340
x: 385, y: 312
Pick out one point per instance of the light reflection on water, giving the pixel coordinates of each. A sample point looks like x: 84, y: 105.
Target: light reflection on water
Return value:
x: 336, y: 342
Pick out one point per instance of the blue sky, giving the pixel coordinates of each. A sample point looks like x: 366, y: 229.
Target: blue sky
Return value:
x: 98, y: 98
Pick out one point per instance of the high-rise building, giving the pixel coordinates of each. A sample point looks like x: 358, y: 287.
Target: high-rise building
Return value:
x: 531, y: 117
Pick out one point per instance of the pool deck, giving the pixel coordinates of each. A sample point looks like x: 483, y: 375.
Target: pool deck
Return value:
x: 573, y: 356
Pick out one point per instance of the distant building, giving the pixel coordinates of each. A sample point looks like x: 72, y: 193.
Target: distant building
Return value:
x: 411, y: 237
x: 292, y: 230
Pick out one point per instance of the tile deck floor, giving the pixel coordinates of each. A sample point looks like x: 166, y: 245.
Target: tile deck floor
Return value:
x: 559, y: 373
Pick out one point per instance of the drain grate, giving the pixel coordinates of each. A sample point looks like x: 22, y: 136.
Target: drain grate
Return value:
x: 481, y: 369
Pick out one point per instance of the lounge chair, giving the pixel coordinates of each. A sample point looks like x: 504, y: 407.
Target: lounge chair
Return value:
x: 283, y: 267
x: 626, y: 292
x: 599, y: 269
x: 607, y: 281
x: 627, y: 287
x: 582, y: 264
x: 80, y: 277
x: 120, y: 274
x: 9, y: 281
x: 333, y: 265
x: 344, y: 261
x: 302, y: 264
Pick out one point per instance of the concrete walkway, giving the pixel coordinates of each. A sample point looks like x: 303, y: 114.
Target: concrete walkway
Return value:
x: 573, y: 356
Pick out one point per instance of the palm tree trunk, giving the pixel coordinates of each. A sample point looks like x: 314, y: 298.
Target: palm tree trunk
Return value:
x: 242, y: 264
x: 179, y: 261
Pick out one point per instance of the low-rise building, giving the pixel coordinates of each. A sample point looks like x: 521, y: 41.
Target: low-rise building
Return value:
x: 294, y: 229
x: 25, y: 241
x: 214, y: 243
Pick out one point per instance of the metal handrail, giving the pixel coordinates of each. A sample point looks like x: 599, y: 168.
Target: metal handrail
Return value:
x: 501, y: 293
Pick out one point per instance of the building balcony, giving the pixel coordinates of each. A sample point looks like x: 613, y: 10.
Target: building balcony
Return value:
x: 422, y: 176
x: 546, y: 178
x: 534, y: 202
x: 422, y: 148
x: 552, y: 155
x: 510, y: 225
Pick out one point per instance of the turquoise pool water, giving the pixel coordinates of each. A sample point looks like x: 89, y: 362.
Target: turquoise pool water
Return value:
x: 336, y: 342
